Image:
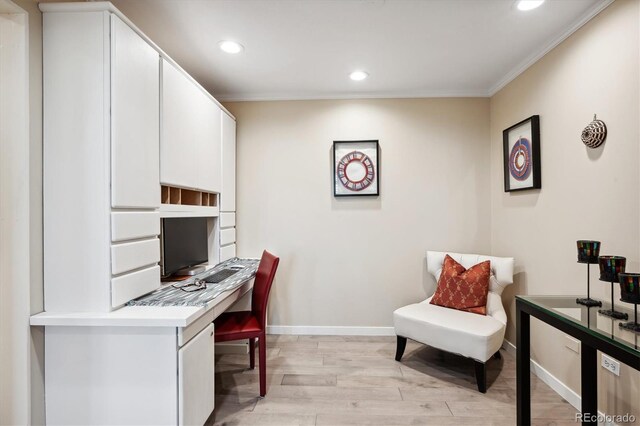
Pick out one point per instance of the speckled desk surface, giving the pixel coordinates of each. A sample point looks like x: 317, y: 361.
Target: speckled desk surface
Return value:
x: 173, y: 295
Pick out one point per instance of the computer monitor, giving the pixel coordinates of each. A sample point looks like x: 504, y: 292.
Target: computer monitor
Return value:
x: 184, y: 243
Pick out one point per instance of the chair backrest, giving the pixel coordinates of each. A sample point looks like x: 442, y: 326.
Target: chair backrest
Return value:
x: 262, y: 285
x: 501, y: 267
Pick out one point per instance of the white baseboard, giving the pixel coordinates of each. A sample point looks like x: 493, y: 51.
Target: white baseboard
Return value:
x: 312, y: 330
x: 552, y: 381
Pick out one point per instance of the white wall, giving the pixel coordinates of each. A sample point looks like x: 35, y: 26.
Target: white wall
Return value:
x: 352, y: 261
x: 586, y: 194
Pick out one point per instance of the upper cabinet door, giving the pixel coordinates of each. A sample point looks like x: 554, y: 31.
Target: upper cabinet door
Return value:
x: 228, y: 196
x: 190, y: 134
x: 209, y: 139
x: 179, y: 133
x: 135, y: 115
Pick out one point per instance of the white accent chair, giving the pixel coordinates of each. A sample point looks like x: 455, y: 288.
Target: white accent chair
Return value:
x: 471, y: 335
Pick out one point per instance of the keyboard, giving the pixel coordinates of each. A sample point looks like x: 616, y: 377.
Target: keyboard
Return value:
x: 220, y: 275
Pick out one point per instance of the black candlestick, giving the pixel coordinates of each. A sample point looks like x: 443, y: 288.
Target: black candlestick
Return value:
x: 630, y: 293
x: 588, y: 253
x: 588, y: 301
x: 610, y: 268
x: 632, y: 325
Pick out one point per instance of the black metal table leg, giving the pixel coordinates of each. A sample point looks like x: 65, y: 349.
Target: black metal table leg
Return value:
x: 523, y: 378
x: 589, y: 384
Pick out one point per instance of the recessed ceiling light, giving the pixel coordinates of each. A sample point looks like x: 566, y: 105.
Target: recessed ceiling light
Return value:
x: 230, y: 46
x: 529, y: 4
x: 358, y: 75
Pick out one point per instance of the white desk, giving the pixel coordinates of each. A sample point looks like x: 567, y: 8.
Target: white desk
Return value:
x: 136, y: 365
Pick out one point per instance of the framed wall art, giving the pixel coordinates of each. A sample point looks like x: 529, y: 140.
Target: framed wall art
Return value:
x: 521, y: 153
x: 355, y: 168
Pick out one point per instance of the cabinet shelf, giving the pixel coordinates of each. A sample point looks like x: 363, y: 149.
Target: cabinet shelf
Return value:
x: 181, y: 202
x: 188, y: 197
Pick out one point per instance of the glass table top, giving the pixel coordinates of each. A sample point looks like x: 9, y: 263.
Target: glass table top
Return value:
x: 567, y: 310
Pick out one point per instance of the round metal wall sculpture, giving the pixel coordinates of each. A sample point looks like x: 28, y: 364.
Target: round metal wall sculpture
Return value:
x: 355, y: 171
x: 520, y: 159
x: 595, y: 133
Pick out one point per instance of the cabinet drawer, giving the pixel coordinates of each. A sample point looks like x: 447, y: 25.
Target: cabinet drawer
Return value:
x: 128, y: 256
x: 130, y: 286
x: 131, y: 225
x: 227, y: 236
x: 185, y: 334
x: 227, y: 220
x: 227, y: 252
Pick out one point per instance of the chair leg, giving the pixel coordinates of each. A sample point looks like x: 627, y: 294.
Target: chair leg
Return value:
x: 400, y: 346
x: 252, y: 353
x: 497, y: 355
x: 481, y: 375
x: 262, y: 351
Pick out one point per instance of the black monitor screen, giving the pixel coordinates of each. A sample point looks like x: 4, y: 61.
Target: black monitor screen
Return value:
x: 184, y: 243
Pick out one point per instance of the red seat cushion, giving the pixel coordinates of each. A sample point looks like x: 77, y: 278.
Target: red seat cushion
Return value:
x: 463, y: 289
x: 236, y: 325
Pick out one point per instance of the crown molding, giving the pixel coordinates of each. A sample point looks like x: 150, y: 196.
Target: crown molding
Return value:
x: 501, y: 83
x: 535, y: 57
x: 302, y: 96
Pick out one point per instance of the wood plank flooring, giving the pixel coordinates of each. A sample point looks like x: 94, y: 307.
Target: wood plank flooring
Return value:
x: 354, y: 380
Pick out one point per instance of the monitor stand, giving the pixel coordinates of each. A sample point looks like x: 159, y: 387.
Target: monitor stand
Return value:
x: 193, y: 270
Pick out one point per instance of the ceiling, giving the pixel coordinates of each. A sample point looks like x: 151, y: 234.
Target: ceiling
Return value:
x: 305, y: 49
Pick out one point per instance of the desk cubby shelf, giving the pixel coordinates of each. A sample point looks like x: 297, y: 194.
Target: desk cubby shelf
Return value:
x: 188, y: 197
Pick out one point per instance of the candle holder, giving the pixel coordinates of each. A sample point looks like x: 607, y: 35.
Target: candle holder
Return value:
x: 630, y: 293
x: 610, y: 267
x: 588, y: 252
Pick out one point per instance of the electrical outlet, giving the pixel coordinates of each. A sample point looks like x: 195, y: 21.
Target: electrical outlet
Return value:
x: 611, y: 364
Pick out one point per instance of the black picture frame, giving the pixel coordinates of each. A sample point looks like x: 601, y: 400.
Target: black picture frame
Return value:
x: 522, y: 166
x: 369, y: 149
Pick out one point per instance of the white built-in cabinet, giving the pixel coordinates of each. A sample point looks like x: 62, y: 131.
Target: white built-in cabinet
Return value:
x: 129, y: 375
x: 126, y: 133
x: 121, y: 120
x: 228, y: 196
x: 190, y: 153
x: 101, y: 163
x: 228, y: 200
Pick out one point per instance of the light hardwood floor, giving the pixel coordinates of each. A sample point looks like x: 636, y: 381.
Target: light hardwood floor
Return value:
x: 348, y: 380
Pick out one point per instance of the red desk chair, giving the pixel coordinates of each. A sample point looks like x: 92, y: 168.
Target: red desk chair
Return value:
x: 252, y: 324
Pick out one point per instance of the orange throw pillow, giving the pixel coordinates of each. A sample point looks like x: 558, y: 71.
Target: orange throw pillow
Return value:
x: 463, y: 289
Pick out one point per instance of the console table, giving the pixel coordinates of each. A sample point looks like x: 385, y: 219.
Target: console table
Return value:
x: 595, y: 333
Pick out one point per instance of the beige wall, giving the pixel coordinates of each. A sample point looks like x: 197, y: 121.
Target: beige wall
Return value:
x: 36, y: 354
x: 23, y: 347
x: 352, y: 261
x: 586, y: 194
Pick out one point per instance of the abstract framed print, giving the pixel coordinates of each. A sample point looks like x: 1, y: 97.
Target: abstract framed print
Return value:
x: 355, y: 168
x: 521, y: 153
